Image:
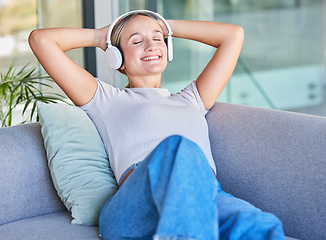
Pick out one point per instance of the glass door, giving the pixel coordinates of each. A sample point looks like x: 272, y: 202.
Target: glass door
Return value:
x: 282, y: 61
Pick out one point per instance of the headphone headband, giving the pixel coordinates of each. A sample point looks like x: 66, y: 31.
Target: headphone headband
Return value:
x: 108, y: 40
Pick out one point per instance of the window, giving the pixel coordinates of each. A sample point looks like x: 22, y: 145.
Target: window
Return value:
x: 282, y: 64
x: 62, y: 13
x: 18, y: 18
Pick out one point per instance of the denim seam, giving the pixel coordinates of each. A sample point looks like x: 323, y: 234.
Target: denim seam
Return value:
x: 133, y: 166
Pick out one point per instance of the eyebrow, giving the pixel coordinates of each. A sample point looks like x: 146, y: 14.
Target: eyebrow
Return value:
x: 138, y: 33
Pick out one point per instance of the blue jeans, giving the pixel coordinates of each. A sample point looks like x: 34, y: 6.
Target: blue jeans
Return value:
x: 173, y: 194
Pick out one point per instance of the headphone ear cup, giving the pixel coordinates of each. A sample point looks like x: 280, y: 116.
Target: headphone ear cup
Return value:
x: 168, y: 42
x: 114, y: 57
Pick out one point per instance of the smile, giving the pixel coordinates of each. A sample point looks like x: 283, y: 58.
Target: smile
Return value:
x: 150, y: 58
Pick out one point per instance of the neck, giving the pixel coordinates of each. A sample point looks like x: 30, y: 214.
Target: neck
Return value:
x: 145, y: 81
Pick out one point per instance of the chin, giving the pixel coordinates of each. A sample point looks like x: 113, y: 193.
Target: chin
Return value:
x: 157, y: 68
x: 152, y: 70
x: 147, y: 70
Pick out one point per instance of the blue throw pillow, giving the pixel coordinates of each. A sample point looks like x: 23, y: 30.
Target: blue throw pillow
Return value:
x: 77, y: 160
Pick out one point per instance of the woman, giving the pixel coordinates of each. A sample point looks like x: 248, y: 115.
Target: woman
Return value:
x: 157, y: 142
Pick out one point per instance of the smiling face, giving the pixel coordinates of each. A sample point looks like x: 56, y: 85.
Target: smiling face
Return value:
x: 143, y: 46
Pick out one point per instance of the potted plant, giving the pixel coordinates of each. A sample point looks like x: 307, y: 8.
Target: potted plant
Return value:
x: 25, y: 87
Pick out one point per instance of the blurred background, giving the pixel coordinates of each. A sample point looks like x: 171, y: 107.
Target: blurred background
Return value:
x: 282, y: 64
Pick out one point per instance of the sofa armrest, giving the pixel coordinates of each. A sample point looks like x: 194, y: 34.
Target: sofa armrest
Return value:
x: 275, y: 160
x: 25, y: 184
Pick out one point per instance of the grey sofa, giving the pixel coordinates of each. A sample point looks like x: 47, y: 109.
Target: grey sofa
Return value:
x: 274, y: 159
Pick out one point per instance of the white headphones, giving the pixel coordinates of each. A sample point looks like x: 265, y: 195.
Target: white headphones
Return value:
x: 114, y: 55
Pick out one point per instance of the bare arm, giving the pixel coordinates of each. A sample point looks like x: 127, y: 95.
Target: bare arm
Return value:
x: 227, y: 38
x: 50, y: 45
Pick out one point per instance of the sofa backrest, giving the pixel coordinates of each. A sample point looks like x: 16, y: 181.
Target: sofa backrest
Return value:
x: 275, y: 160
x: 26, y: 189
x: 272, y: 159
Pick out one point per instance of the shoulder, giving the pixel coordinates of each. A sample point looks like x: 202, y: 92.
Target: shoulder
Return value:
x: 191, y: 94
x: 103, y: 95
x: 106, y: 91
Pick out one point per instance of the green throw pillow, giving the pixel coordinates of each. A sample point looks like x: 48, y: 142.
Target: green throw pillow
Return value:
x: 77, y: 160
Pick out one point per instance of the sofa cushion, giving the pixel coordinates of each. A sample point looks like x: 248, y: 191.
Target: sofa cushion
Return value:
x: 276, y: 161
x: 77, y: 160
x: 50, y: 227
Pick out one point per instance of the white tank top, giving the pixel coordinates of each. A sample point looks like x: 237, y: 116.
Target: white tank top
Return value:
x: 133, y: 121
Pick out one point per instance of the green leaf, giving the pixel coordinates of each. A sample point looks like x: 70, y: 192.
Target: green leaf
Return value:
x: 24, y: 85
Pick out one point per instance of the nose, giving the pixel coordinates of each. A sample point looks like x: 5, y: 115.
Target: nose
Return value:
x: 150, y: 46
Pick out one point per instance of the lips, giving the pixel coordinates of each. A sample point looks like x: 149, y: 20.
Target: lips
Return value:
x: 148, y: 58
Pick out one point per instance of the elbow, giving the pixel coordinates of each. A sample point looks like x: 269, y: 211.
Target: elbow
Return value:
x: 35, y: 38
x: 32, y: 38
x: 238, y: 33
x: 241, y: 32
x: 234, y: 34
